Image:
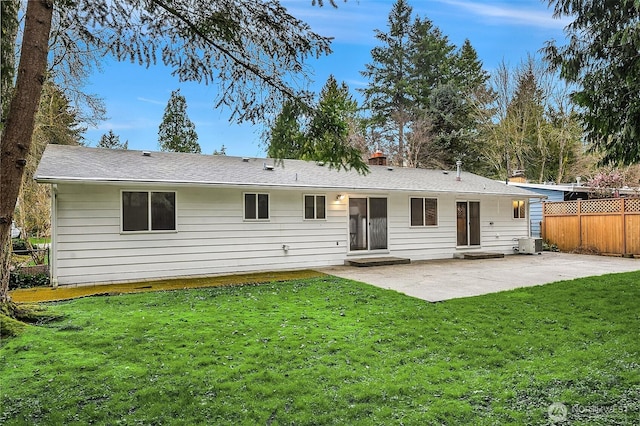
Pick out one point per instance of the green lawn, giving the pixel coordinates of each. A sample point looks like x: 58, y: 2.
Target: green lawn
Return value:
x: 331, y: 351
x: 41, y: 240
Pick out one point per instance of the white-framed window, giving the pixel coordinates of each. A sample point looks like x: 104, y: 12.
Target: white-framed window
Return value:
x: 256, y: 206
x: 148, y: 211
x: 519, y: 209
x: 424, y: 211
x: 315, y: 207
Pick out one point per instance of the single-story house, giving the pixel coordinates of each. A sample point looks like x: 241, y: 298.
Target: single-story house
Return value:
x: 120, y: 215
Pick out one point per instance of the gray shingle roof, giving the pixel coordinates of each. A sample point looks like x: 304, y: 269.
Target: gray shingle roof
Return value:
x: 81, y: 164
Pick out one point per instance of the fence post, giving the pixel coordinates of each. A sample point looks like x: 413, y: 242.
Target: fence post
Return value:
x: 579, y: 212
x: 624, y: 226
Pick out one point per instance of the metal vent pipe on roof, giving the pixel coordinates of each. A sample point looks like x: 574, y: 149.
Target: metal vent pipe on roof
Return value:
x: 459, y: 170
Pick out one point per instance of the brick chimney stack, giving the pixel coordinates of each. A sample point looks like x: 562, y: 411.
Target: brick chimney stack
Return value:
x: 378, y: 159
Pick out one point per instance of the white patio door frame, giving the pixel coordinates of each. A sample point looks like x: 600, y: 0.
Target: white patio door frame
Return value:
x: 468, y: 224
x: 368, y: 224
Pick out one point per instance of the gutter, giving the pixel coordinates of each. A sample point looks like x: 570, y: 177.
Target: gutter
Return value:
x: 161, y: 182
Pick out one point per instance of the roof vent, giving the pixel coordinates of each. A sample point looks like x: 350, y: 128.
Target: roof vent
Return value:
x: 266, y: 166
x: 390, y: 168
x: 245, y: 159
x: 146, y: 154
x: 320, y: 163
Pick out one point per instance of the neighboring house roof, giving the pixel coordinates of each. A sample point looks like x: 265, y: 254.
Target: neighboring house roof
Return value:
x: 62, y: 163
x: 552, y: 187
x: 567, y: 187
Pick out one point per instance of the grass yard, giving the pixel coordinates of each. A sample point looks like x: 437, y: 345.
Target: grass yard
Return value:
x: 331, y: 351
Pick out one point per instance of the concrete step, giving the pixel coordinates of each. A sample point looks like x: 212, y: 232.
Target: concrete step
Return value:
x: 482, y: 255
x: 377, y: 261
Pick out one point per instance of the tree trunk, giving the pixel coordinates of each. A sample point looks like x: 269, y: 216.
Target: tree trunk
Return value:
x: 401, y: 122
x: 16, y: 138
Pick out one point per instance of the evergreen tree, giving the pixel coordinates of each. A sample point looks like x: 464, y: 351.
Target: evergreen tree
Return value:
x: 602, y: 58
x: 222, y: 151
x: 112, y: 141
x: 419, y: 83
x: 432, y: 60
x: 468, y: 73
x: 388, y: 95
x: 470, y: 79
x: 286, y: 136
x: 176, y: 132
x: 330, y: 128
x: 446, y: 112
x: 57, y: 121
x: 440, y: 99
x: 326, y: 130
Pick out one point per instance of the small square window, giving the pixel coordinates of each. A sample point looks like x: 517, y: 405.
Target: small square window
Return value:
x: 315, y: 207
x: 424, y: 212
x: 256, y: 206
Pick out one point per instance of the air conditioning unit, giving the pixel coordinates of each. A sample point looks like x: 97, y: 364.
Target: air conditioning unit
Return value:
x: 529, y: 245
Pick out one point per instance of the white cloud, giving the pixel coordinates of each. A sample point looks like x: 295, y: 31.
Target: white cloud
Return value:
x: 511, y: 14
x: 150, y: 101
x: 358, y: 83
x: 350, y: 23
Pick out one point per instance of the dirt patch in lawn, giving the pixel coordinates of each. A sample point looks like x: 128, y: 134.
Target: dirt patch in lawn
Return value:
x: 48, y: 294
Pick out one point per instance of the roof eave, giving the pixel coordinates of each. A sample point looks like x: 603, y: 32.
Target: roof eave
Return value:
x: 147, y: 182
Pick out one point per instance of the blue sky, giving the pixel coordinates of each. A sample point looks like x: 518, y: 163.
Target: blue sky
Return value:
x: 136, y: 96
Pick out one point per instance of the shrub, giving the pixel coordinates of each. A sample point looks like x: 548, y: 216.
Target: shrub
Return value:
x: 20, y: 280
x: 19, y: 245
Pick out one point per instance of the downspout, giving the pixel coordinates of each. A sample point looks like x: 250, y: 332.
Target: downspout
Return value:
x: 53, y: 252
x: 528, y: 213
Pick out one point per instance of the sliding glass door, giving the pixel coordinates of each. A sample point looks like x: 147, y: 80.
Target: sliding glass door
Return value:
x: 468, y: 223
x: 367, y: 224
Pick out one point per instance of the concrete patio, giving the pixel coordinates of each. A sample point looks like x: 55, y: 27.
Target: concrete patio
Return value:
x: 437, y: 280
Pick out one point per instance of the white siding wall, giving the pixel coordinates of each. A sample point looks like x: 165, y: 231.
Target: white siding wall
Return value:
x: 421, y: 243
x: 212, y: 237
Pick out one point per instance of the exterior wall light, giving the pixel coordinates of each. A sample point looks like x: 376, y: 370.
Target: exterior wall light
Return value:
x: 340, y: 197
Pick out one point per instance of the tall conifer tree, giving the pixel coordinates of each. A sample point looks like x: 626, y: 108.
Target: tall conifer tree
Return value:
x: 177, y: 133
x: 388, y: 95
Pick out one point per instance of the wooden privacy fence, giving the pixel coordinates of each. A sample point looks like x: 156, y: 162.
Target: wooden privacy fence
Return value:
x: 611, y: 225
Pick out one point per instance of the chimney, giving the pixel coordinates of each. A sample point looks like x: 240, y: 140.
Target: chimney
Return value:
x: 518, y: 176
x: 459, y: 171
x: 378, y: 159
